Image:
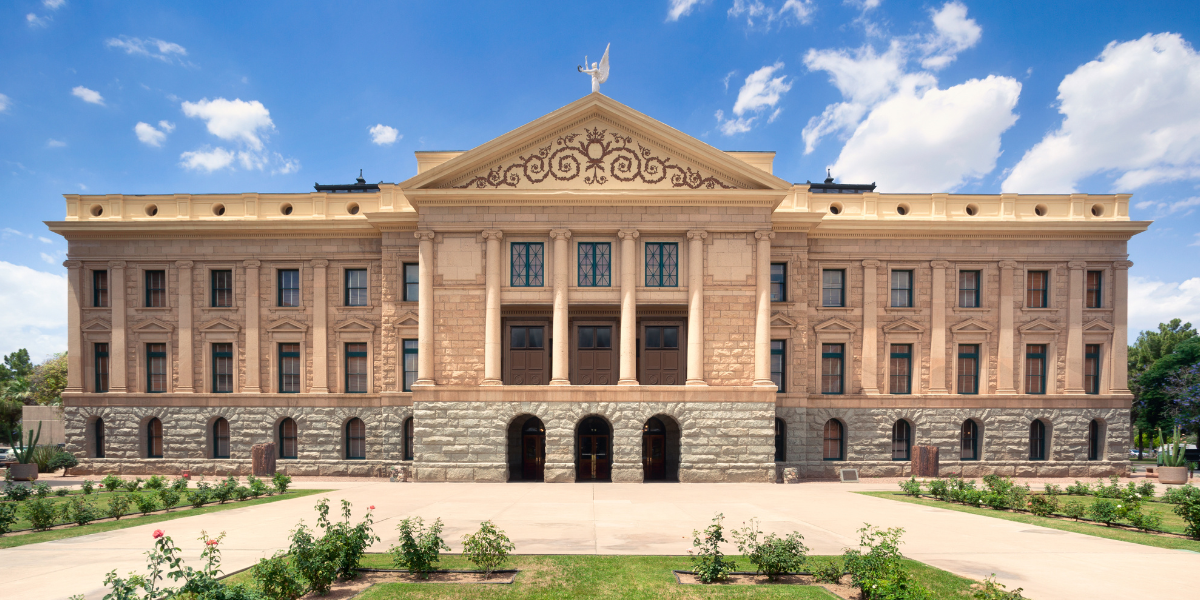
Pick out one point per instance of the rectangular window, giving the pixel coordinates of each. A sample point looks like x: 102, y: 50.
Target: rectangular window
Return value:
x: 410, y: 364
x: 833, y: 287
x: 156, y: 368
x: 356, y: 287
x: 902, y: 284
x: 778, y: 282
x: 1035, y: 289
x: 968, y: 368
x: 528, y: 259
x: 832, y: 368
x: 778, y: 360
x: 222, y: 289
x: 289, y: 368
x: 1035, y: 369
x: 1095, y: 287
x: 968, y: 289
x: 412, y: 277
x: 595, y: 264
x: 662, y: 264
x: 1091, y: 369
x: 289, y: 287
x: 156, y: 289
x: 99, y: 289
x: 356, y: 368
x: 101, y: 355
x: 900, y: 379
x: 222, y: 368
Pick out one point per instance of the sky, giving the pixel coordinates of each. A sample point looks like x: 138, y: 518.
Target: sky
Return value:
x: 964, y: 96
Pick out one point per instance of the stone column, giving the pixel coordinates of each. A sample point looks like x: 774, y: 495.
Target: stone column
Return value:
x: 695, y: 344
x: 117, y: 351
x: 320, y: 383
x: 187, y: 370
x: 1075, y: 328
x: 491, y: 315
x: 870, y: 353
x: 937, y: 332
x: 628, y: 307
x: 1004, y: 354
x: 74, y: 333
x: 560, y: 357
x: 762, y: 317
x: 1120, y: 340
x: 253, y: 347
x: 424, y: 308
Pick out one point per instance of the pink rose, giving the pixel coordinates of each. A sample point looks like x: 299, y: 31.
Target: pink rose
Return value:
x: 372, y: 507
x: 158, y: 533
x: 211, y: 542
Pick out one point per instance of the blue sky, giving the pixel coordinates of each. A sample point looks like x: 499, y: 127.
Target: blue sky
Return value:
x: 139, y: 97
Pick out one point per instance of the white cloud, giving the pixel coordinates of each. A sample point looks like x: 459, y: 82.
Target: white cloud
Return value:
x: 206, y: 160
x: 147, y: 134
x: 953, y: 33
x: 45, y: 240
x: 760, y: 92
x: 34, y: 305
x: 757, y: 13
x: 166, y: 126
x: 47, y: 258
x: 53, y: 143
x: 383, y: 135
x: 1162, y: 209
x: 680, y: 8
x: 35, y: 21
x: 233, y: 120
x: 863, y: 77
x: 5, y: 102
x: 90, y: 96
x: 7, y: 231
x: 53, y: 4
x: 865, y: 5
x: 1154, y: 301
x: 287, y: 166
x: 1131, y: 113
x: 732, y: 126
x: 151, y: 47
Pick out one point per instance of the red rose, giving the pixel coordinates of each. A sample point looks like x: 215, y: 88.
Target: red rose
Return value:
x: 211, y: 542
x: 372, y: 507
x: 158, y: 533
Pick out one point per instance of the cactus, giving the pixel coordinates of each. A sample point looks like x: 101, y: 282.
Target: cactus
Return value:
x: 1175, y: 458
x: 25, y: 452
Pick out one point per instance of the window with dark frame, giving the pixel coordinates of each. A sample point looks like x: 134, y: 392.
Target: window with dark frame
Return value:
x: 970, y: 441
x: 100, y: 352
x: 1095, y: 440
x: 222, y: 368
x: 832, y: 368
x: 222, y: 288
x: 412, y: 278
x: 1091, y: 368
x: 1036, y: 289
x: 902, y: 288
x: 595, y: 264
x: 968, y: 368
x: 780, y: 440
x: 900, y: 369
x: 220, y: 438
x: 289, y: 288
x: 778, y: 282
x: 778, y: 364
x: 156, y: 289
x: 968, y: 289
x: 356, y: 439
x: 408, y: 438
x: 410, y: 364
x: 288, y: 438
x: 154, y: 438
x: 1035, y: 369
x: 356, y: 368
x: 356, y: 287
x: 289, y: 368
x: 835, y: 441
x: 528, y: 262
x: 1037, y: 440
x: 1095, y: 289
x: 156, y: 368
x: 833, y: 287
x: 901, y: 440
x: 98, y: 437
x: 100, y: 289
x: 662, y: 264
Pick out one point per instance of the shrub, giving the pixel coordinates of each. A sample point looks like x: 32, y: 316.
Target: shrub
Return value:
x: 16, y: 491
x: 1187, y: 506
x: 281, y: 482
x: 223, y: 491
x: 41, y: 490
x: 156, y: 482
x: 179, y: 484
x: 912, y: 487
x: 1043, y: 505
x: 276, y: 578
x: 990, y: 589
x: 8, y: 516
x: 1112, y: 490
x: 828, y: 572
x: 938, y: 489
x: 1181, y: 494
x: 60, y: 492
x: 200, y: 496
x: 352, y: 541
x: 257, y: 487
x: 132, y: 485
x: 1079, y: 489
x: 419, y: 547
x: 1105, y: 510
x: 487, y: 548
x: 111, y: 483
x: 88, y: 486
x: 42, y: 455
x: 315, y: 559
x: 241, y: 492
x: 1053, y: 490
x: 879, y: 572
x: 168, y: 497
x: 78, y: 510
x: 773, y: 556
x: 146, y: 503
x: 1144, y: 521
x: 40, y: 512
x: 1146, y: 489
x: 62, y: 460
x: 118, y: 505
x: 1073, y: 509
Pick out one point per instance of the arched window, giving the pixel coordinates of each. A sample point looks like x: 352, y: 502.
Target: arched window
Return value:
x: 780, y: 440
x: 220, y: 438
x: 356, y: 439
x: 1095, y: 440
x: 154, y: 439
x: 970, y: 441
x: 98, y: 437
x: 1037, y: 440
x: 408, y: 438
x: 901, y: 440
x: 287, y: 438
x: 835, y: 442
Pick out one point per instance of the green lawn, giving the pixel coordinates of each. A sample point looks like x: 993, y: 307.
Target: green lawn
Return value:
x: 1171, y: 521
x: 10, y: 541
x: 590, y: 576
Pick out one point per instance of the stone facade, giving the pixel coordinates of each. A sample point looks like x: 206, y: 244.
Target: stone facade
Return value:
x: 438, y: 349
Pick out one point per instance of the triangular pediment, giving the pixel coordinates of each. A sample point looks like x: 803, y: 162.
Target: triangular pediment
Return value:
x: 408, y: 319
x: 1097, y: 326
x: 904, y: 325
x: 354, y: 326
x: 153, y: 326
x: 96, y: 325
x: 220, y: 326
x: 835, y: 325
x: 594, y: 144
x: 782, y: 320
x: 287, y: 326
x: 1039, y: 326
x: 972, y: 326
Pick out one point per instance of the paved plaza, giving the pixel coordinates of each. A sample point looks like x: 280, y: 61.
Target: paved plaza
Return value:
x: 610, y: 518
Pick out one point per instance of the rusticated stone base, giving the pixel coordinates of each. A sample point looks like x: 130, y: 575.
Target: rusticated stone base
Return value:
x: 236, y: 467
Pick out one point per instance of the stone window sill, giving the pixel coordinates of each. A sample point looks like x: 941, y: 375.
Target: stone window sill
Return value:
x: 1041, y: 310
x: 972, y: 310
x: 156, y: 308
x: 220, y: 308
x: 836, y: 308
x: 288, y: 308
x: 902, y: 309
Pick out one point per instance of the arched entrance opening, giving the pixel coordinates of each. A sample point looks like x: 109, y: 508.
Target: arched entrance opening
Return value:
x: 660, y: 449
x: 593, y: 450
x: 526, y: 449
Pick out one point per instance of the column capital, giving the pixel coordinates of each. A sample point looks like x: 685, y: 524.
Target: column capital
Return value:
x: 1008, y: 264
x: 940, y: 264
x: 560, y: 234
x: 1122, y: 265
x: 251, y: 264
x: 628, y: 234
x: 183, y: 264
x: 697, y: 234
x: 72, y: 264
x: 424, y: 235
x: 492, y: 234
x: 764, y: 234
x: 320, y: 263
x: 116, y: 264
x: 870, y: 263
x: 1077, y: 265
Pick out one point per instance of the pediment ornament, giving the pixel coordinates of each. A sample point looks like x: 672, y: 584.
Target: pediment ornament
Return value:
x: 1039, y: 326
x: 972, y: 326
x: 287, y: 325
x: 782, y: 320
x: 354, y: 325
x: 408, y: 319
x: 96, y: 325
x: 220, y: 326
x: 1097, y: 326
x: 153, y: 325
x: 835, y: 325
x: 904, y: 325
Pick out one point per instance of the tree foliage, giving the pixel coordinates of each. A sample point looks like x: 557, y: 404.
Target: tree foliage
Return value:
x: 48, y: 380
x: 1153, y: 389
x: 1153, y: 345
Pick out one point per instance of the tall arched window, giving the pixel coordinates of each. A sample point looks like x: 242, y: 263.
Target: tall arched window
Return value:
x: 154, y: 439
x: 780, y: 440
x: 901, y: 440
x: 408, y: 438
x: 220, y: 438
x: 970, y: 441
x: 356, y: 439
x: 287, y: 438
x: 835, y: 442
x: 98, y: 437
x: 1095, y: 440
x: 1037, y: 440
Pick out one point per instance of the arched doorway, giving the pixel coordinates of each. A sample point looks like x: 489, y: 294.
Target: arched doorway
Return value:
x: 594, y: 450
x: 526, y: 449
x: 660, y: 449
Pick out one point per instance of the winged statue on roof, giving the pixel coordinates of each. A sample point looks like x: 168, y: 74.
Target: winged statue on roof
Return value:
x: 599, y: 72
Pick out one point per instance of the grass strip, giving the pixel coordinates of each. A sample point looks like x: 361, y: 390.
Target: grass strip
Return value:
x: 12, y: 541
x: 1062, y: 524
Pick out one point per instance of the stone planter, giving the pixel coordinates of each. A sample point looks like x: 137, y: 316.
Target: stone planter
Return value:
x: 24, y: 472
x: 1173, y: 475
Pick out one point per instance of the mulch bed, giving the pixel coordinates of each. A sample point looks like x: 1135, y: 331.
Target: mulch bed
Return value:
x: 842, y: 589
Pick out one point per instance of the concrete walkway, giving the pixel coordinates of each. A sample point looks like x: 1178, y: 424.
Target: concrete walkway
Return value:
x: 632, y: 519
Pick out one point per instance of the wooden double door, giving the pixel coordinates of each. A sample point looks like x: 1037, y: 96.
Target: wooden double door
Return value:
x: 526, y: 355
x: 654, y: 450
x: 594, y: 356
x: 595, y: 451
x: 662, y: 353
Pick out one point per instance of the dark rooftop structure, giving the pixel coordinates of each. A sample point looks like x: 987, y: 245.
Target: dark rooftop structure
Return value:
x: 829, y: 187
x: 361, y: 185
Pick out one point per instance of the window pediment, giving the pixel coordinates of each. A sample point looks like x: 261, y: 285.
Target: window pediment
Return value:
x: 1097, y: 326
x: 354, y: 326
x: 972, y: 326
x: 153, y: 326
x: 96, y: 326
x: 780, y: 320
x: 220, y: 326
x: 1039, y: 326
x: 408, y: 319
x: 904, y: 325
x: 287, y: 326
x: 835, y: 325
